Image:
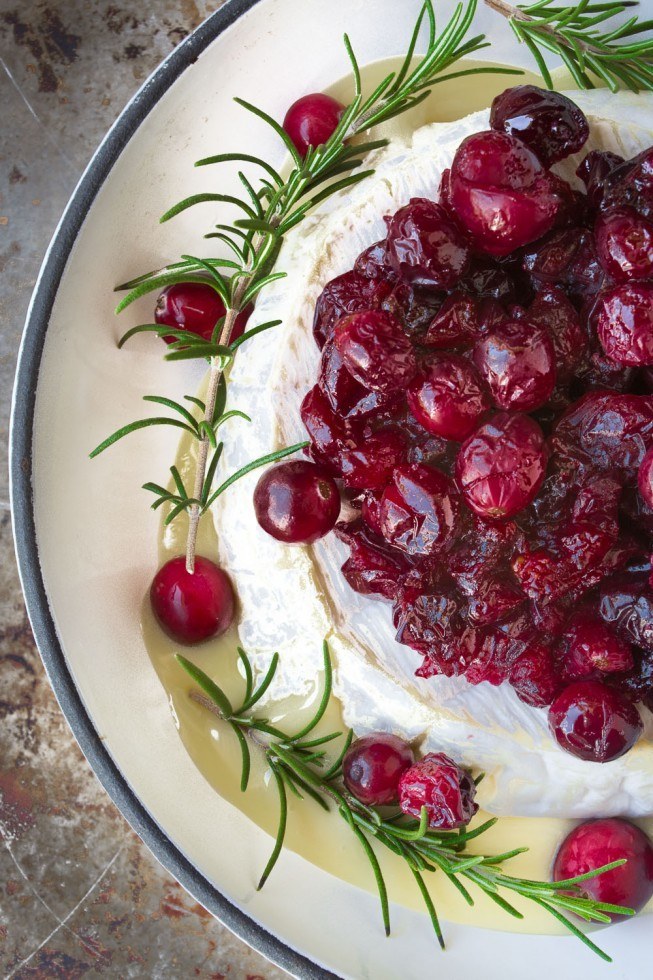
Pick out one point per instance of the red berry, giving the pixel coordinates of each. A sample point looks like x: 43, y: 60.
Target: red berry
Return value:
x: 624, y: 244
x: 311, y: 120
x: 552, y: 310
x: 592, y: 647
x: 446, y: 790
x: 625, y: 323
x: 296, y: 501
x: 351, y: 292
x: 372, y: 568
x: 456, y: 324
x: 594, y: 171
x: 194, y: 306
x: 548, y: 122
x: 594, y: 722
x: 373, y: 766
x: 593, y: 845
x: 425, y: 247
x: 448, y: 397
x: 502, y: 465
x: 535, y: 678
x: 645, y: 478
x: 517, y: 360
x: 369, y: 465
x: 418, y: 510
x: 375, y: 350
x: 192, y: 606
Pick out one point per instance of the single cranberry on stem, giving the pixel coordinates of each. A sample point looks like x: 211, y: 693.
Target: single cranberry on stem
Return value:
x: 597, y: 843
x: 594, y: 722
x: 446, y: 790
x: 311, y: 120
x: 296, y: 502
x: 373, y: 766
x: 196, y: 307
x: 192, y: 606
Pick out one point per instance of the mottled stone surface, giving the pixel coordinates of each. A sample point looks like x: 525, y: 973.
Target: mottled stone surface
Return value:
x: 79, y: 894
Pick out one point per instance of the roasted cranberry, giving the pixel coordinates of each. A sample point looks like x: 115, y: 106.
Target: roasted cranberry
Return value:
x: 369, y: 465
x: 371, y: 510
x: 446, y: 790
x: 501, y: 466
x: 311, y: 120
x: 372, y: 568
x: 375, y: 350
x: 595, y: 844
x: 631, y: 185
x: 501, y: 193
x: 535, y: 678
x: 565, y: 258
x: 192, y: 606
x: 348, y: 399
x: 624, y: 244
x: 552, y: 310
x: 328, y: 433
x: 594, y: 722
x: 373, y: 766
x: 627, y: 603
x: 373, y: 263
x: 418, y: 510
x: 625, y: 323
x: 488, y: 279
x: 448, y: 398
x: 414, y: 307
x: 194, y: 306
x: 594, y: 170
x: 296, y: 501
x: 593, y: 648
x: 645, y: 478
x: 455, y: 324
x: 608, y: 431
x: 424, y: 620
x: 494, y: 599
x: 548, y: 122
x: 517, y: 360
x: 425, y: 247
x: 349, y: 293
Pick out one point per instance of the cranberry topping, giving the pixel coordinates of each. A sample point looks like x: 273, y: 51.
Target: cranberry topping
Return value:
x: 372, y: 568
x: 535, y: 678
x: 645, y: 478
x: 296, y: 501
x: 426, y: 620
x: 448, y: 398
x: 311, y: 120
x: 552, y: 310
x: 594, y: 722
x: 606, y: 431
x: 594, y: 172
x: 517, y: 360
x: 374, y: 263
x: 349, y: 293
x: 593, y: 648
x: 566, y: 258
x: 501, y: 466
x: 375, y: 350
x: 373, y: 766
x: 625, y: 323
x: 192, y: 606
x: 194, y: 306
x: 328, y: 433
x: 425, y: 247
x: 446, y: 790
x: 631, y: 185
x: 627, y: 603
x: 369, y: 464
x: 593, y: 845
x: 456, y: 324
x: 624, y: 244
x: 548, y: 122
x: 346, y: 396
x: 418, y: 510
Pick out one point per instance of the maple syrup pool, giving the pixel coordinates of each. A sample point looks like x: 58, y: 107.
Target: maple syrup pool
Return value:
x: 324, y: 838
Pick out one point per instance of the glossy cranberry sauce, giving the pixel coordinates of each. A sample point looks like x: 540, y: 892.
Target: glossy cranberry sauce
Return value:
x: 485, y: 403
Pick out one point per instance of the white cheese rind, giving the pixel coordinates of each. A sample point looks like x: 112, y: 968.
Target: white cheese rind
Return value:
x: 293, y: 597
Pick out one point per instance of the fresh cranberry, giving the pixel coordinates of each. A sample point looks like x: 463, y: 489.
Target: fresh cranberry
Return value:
x: 625, y: 323
x: 517, y: 360
x: 594, y: 171
x: 418, y: 510
x: 552, y: 310
x: 501, y: 466
x: 192, y: 606
x: 593, y: 648
x: 448, y: 398
x: 645, y: 478
x: 369, y: 464
x: 349, y: 293
x: 373, y: 766
x: 311, y: 120
x: 548, y: 122
x: 375, y: 350
x: 594, y: 722
x: 627, y: 604
x: 608, y: 431
x: 446, y: 790
x: 535, y: 678
x: 624, y: 244
x: 296, y: 501
x: 194, y: 306
x: 595, y: 844
x: 372, y: 568
x: 501, y: 193
x: 425, y: 247
x: 455, y: 324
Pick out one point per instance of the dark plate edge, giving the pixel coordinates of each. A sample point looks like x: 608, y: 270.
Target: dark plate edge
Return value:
x: 20, y: 466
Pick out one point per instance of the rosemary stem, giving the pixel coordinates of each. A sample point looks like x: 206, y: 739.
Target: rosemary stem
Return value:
x: 511, y: 12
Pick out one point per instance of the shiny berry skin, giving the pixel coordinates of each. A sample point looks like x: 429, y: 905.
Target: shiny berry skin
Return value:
x: 535, y: 678
x: 425, y: 247
x: 501, y: 466
x: 552, y: 310
x: 296, y: 502
x: 372, y: 567
x: 192, y: 607
x: 348, y: 399
x: 349, y: 293
x: 594, y: 722
x: 547, y: 122
x: 517, y: 360
x: 373, y: 766
x: 624, y: 323
x: 645, y: 478
x: 624, y: 244
x: 194, y: 306
x: 369, y: 464
x: 448, y: 397
x: 418, y: 510
x: 594, y: 171
x: 375, y: 350
x: 593, y: 647
x: 456, y: 324
x: 311, y: 120
x: 446, y: 790
x: 328, y: 433
x: 596, y: 843
x: 501, y: 193
x: 626, y: 603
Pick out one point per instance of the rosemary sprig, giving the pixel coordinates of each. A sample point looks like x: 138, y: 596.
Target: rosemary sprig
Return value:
x: 268, y: 209
x: 621, y: 56
x: 299, y: 765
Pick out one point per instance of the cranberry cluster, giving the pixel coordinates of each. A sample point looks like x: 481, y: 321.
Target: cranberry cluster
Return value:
x: 484, y: 400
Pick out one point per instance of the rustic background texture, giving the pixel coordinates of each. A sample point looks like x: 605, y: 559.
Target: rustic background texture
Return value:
x: 80, y: 896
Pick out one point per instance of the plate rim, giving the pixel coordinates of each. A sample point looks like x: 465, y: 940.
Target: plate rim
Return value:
x: 21, y: 429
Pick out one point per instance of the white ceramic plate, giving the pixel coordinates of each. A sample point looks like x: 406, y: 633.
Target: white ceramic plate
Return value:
x: 85, y: 540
